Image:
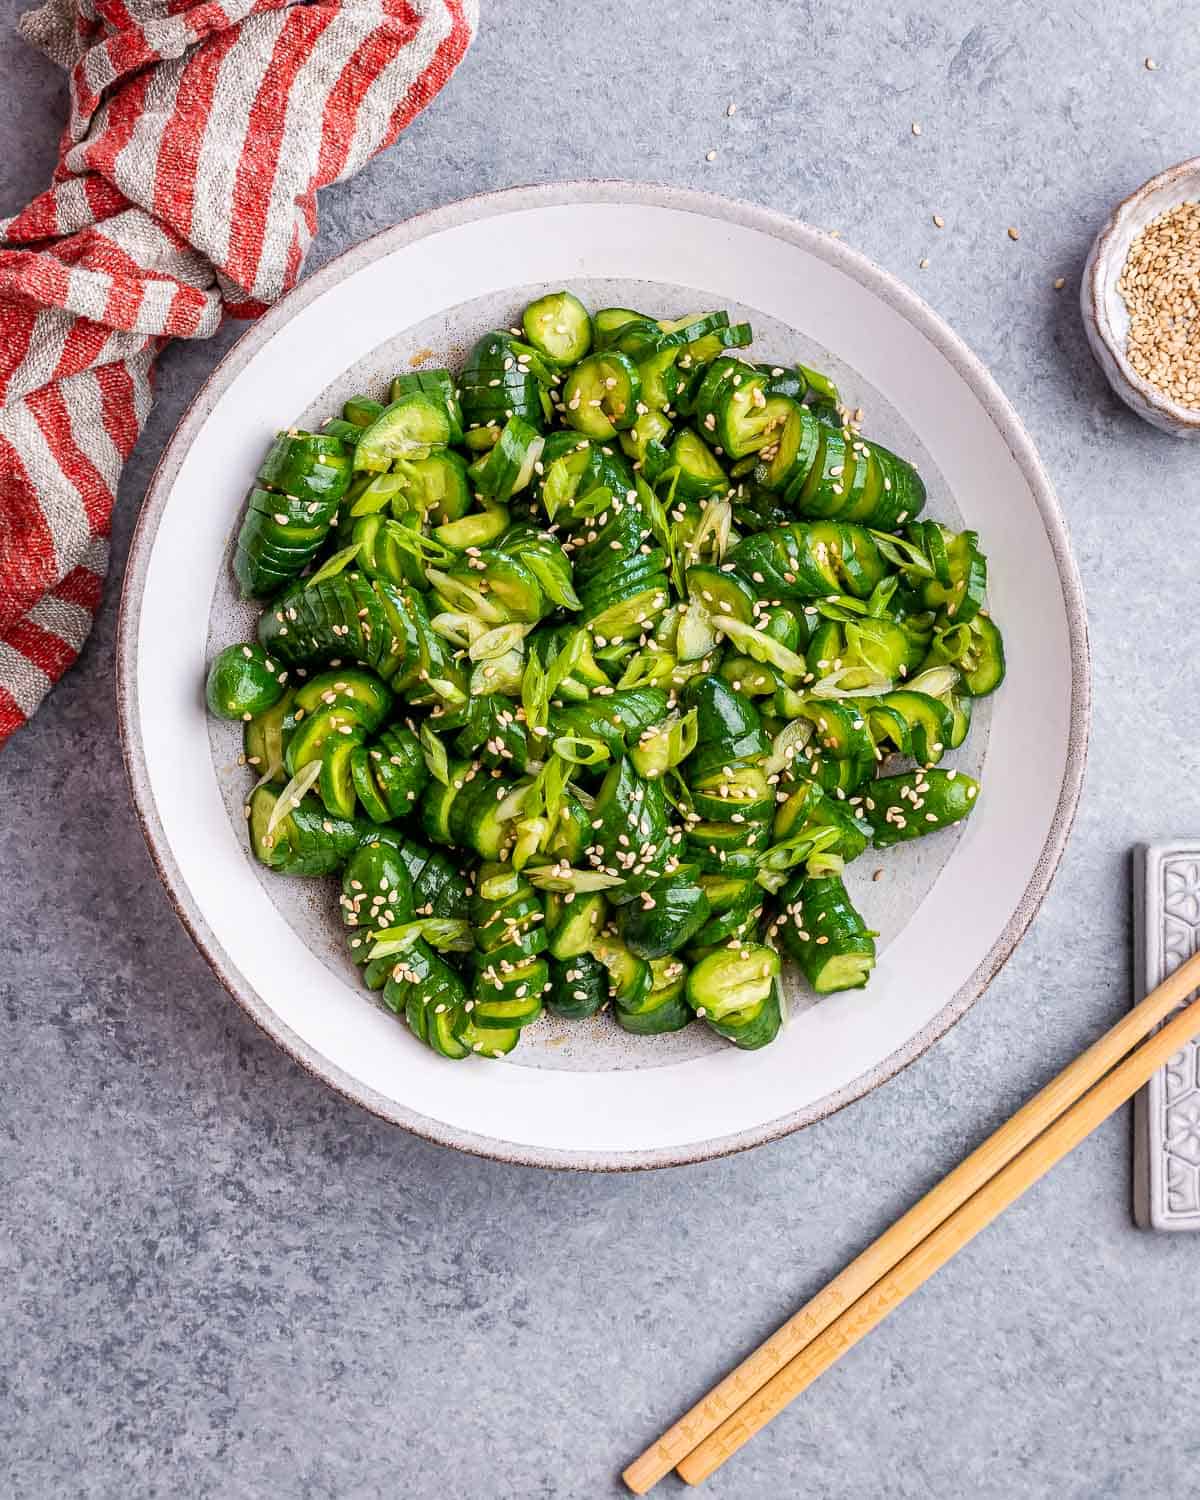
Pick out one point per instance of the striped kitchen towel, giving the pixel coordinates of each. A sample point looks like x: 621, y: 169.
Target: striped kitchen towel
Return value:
x: 199, y: 134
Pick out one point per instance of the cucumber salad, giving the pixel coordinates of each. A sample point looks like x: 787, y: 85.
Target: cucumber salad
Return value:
x: 590, y: 668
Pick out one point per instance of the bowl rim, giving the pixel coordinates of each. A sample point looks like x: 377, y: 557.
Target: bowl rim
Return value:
x: 813, y: 241
x: 1099, y: 274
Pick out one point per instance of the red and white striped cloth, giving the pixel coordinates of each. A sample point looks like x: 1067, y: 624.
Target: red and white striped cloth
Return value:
x: 200, y: 132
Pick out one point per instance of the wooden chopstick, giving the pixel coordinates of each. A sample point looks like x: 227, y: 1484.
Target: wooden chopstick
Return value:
x: 1061, y: 1136
x: 767, y: 1379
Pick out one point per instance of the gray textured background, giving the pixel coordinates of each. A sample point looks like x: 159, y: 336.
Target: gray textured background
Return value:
x: 217, y: 1279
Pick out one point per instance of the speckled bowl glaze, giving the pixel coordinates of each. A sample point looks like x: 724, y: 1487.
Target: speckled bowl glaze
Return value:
x: 951, y: 909
x: 1105, y: 316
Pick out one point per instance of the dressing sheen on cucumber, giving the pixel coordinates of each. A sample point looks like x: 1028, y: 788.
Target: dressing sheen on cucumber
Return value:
x: 591, y: 668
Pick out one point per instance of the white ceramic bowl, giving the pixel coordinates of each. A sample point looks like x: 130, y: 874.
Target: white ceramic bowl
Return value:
x: 1105, y: 316
x: 950, y: 908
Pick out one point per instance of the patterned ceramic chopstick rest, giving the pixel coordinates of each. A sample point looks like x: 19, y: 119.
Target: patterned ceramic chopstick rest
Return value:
x: 198, y: 137
x: 1166, y: 930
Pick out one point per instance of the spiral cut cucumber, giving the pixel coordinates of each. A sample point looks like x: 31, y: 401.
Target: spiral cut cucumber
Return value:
x: 593, y: 669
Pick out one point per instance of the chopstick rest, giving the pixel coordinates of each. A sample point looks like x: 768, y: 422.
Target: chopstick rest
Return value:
x: 1166, y: 1129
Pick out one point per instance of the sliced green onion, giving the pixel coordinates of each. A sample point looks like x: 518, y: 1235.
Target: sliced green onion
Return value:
x: 334, y: 565
x: 532, y: 834
x: 581, y: 750
x: 864, y: 684
x: 935, y: 682
x: 793, y: 851
x: 716, y: 521
x: 787, y: 744
x: 665, y: 745
x: 649, y: 668
x: 564, y: 878
x: 840, y: 607
x: 457, y: 628
x: 435, y: 755
x: 695, y: 635
x: 500, y: 885
x: 903, y: 553
x: 447, y: 934
x: 762, y: 647
x: 293, y: 794
x: 379, y: 494
x: 535, y: 699
x: 515, y: 803
x: 498, y: 642
x: 449, y: 692
x: 457, y: 591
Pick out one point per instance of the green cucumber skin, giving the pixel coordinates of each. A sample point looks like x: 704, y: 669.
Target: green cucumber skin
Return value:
x: 580, y: 987
x: 279, y: 536
x: 308, y: 467
x: 810, y: 561
x: 901, y: 808
x: 243, y: 682
x: 736, y: 991
x: 307, y: 841
x: 680, y: 909
x: 819, y: 923
x: 377, y: 891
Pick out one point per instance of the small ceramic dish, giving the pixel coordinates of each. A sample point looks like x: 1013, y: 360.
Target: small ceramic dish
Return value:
x: 1105, y: 316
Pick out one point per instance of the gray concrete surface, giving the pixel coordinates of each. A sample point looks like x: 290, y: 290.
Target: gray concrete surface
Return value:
x: 217, y: 1279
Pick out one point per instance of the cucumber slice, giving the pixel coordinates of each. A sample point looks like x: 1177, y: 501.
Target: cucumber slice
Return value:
x: 365, y: 788
x: 558, y: 327
x: 243, y: 682
x: 666, y: 918
x: 508, y: 468
x: 824, y: 933
x: 610, y: 320
x: 480, y: 529
x: 437, y: 384
x: 700, y: 474
x: 722, y: 594
x: 362, y: 410
x: 627, y: 619
x: 690, y: 329
x: 601, y: 394
x: 480, y: 439
x: 662, y: 380
x: 580, y: 987
x: 823, y: 493
x: 650, y: 427
x: 371, y: 697
x: 408, y: 428
x: 336, y: 783
x: 984, y: 667
x: 664, y: 1008
x: 901, y: 808
x: 490, y: 1043
x: 574, y: 928
x: 929, y: 723
x: 436, y: 486
x: 308, y: 466
x: 963, y: 597
x: 736, y: 336
x: 735, y: 991
x: 820, y: 389
x: 438, y: 803
x: 794, y: 452
x: 265, y: 736
x: 308, y: 741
